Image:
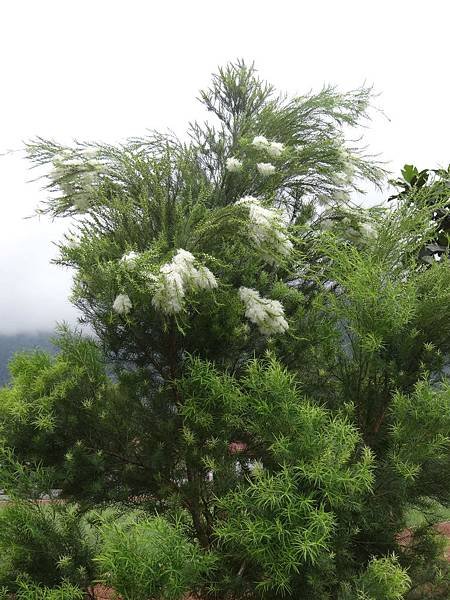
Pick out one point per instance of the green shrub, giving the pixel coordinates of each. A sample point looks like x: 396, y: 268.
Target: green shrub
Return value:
x: 150, y: 558
x: 47, y: 543
x: 383, y: 579
x: 65, y: 591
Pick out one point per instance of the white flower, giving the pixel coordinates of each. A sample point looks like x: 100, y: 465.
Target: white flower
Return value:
x: 256, y: 468
x: 266, y: 314
x: 122, y: 304
x: 437, y: 257
x: 260, y: 142
x: 170, y: 292
x: 71, y: 176
x: 175, y: 278
x: 266, y: 229
x: 183, y: 258
x: 283, y: 244
x: 150, y: 277
x: 234, y: 165
x: 275, y: 149
x: 76, y: 170
x: 129, y: 259
x: 205, y: 279
x: 266, y: 169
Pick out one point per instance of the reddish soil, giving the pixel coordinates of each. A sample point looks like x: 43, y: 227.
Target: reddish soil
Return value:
x: 103, y: 593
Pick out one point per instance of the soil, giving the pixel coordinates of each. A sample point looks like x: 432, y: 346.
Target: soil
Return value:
x: 103, y: 593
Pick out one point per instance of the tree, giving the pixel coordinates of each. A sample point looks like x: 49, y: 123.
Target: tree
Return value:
x: 273, y: 348
x: 431, y: 187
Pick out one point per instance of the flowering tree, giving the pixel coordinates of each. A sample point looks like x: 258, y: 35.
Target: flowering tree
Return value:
x: 269, y: 343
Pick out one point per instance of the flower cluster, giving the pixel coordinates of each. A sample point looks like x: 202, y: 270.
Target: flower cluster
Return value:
x: 266, y: 314
x: 265, y: 169
x: 274, y: 149
x: 266, y: 229
x: 76, y: 175
x: 260, y: 142
x: 176, y: 277
x: 234, y: 165
x: 122, y: 304
x: 129, y: 259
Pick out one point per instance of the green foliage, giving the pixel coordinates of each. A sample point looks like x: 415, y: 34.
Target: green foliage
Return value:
x: 383, y: 579
x: 63, y: 417
x: 47, y: 543
x: 295, y: 458
x: 428, y: 187
x: 66, y: 591
x: 11, y: 344
x: 150, y: 558
x: 305, y: 480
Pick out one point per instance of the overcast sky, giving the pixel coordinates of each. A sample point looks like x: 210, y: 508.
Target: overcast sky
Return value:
x: 105, y: 69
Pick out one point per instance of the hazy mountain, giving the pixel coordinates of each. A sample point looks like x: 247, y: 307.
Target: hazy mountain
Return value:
x: 10, y: 344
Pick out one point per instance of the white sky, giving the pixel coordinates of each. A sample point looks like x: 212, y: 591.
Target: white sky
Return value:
x: 105, y: 69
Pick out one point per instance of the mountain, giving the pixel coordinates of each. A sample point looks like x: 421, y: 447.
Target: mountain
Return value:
x: 10, y: 344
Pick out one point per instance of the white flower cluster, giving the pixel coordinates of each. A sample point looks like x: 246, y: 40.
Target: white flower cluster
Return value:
x: 266, y: 229
x: 76, y: 176
x: 234, y: 165
x: 129, y: 259
x: 176, y: 277
x: 274, y: 149
x: 266, y: 169
x: 266, y: 314
x: 122, y: 304
x: 260, y: 142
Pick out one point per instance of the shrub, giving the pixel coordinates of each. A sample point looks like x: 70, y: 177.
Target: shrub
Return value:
x: 150, y: 558
x: 47, y: 543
